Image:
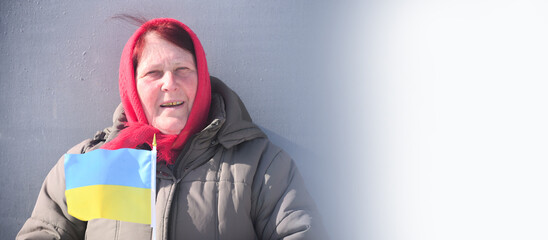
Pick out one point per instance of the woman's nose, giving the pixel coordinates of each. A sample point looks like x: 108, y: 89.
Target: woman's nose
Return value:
x: 168, y: 82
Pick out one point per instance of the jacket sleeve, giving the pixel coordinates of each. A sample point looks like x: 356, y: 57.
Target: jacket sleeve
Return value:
x: 50, y: 219
x: 283, y: 207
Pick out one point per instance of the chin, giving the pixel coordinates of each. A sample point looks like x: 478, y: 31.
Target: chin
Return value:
x: 170, y: 132
x: 170, y: 127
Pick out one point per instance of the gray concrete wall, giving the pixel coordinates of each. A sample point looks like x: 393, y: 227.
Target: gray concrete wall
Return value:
x: 58, y: 86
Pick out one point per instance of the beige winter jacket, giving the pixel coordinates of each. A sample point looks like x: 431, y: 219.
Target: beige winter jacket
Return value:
x: 230, y: 182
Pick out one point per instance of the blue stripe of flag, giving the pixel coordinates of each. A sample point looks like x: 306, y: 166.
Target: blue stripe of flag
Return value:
x: 124, y: 167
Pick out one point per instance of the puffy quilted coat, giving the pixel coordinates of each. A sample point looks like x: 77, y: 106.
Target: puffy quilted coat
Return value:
x: 229, y: 182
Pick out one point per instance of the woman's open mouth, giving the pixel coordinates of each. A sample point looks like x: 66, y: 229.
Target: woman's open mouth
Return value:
x: 171, y: 104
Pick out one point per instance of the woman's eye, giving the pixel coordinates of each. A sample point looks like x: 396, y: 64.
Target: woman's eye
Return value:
x: 182, y: 71
x: 154, y: 74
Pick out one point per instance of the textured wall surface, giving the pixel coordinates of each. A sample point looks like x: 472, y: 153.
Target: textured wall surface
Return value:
x: 59, y: 70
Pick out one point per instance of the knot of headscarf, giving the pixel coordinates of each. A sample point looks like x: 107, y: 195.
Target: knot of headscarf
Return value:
x: 139, y: 135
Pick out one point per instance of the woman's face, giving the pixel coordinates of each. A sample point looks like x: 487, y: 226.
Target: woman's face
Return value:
x: 166, y: 82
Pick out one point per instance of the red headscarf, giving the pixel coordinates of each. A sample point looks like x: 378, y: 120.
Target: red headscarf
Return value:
x: 139, y: 131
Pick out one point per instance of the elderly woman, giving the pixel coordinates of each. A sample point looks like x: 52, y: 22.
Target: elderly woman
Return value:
x: 218, y: 176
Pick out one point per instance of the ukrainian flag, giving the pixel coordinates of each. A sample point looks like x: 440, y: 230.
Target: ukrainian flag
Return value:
x: 113, y: 184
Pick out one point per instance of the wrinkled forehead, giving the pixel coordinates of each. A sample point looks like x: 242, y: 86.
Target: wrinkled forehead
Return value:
x: 158, y: 53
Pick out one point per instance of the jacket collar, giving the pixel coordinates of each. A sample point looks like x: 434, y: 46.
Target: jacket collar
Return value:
x: 235, y: 124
